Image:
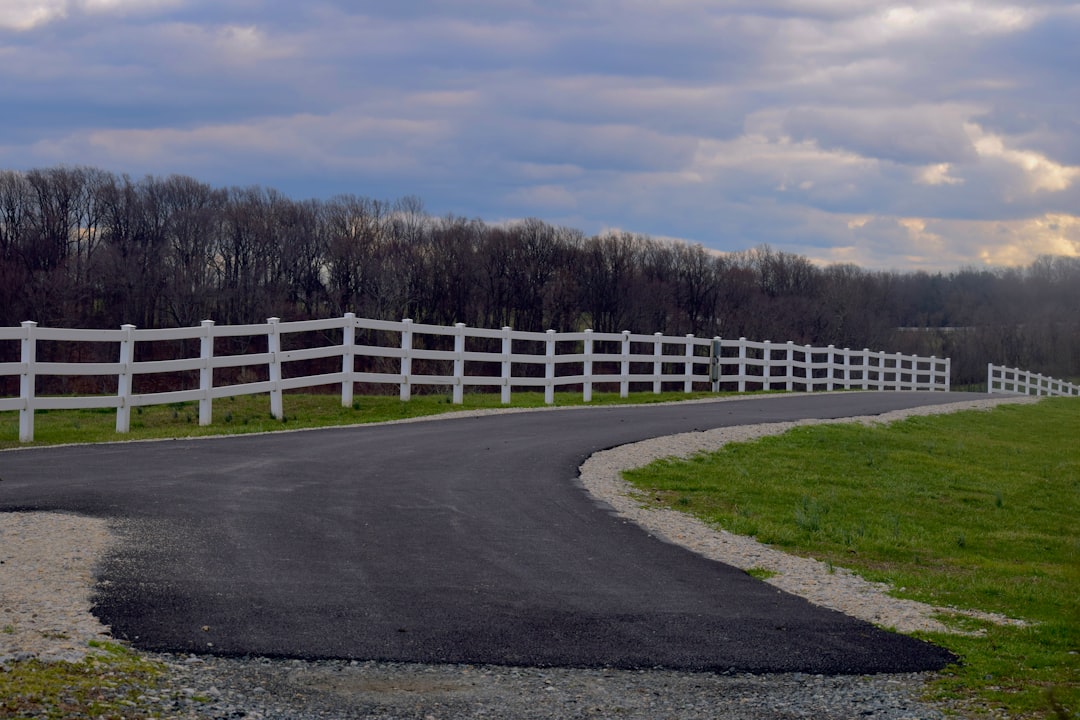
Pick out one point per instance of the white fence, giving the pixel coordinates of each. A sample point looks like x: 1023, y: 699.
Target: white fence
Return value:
x: 523, y: 360
x: 1000, y: 379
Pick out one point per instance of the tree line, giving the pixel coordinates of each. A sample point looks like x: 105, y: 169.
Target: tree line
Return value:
x: 84, y: 247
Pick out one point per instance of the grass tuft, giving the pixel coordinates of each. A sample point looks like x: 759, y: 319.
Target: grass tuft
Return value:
x: 113, y: 682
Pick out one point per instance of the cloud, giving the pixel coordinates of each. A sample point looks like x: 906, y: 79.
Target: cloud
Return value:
x: 937, y: 174
x: 27, y: 14
x: 22, y: 15
x: 918, y: 134
x: 1041, y: 173
x: 902, y: 134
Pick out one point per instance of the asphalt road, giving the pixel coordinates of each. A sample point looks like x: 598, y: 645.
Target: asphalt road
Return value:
x: 457, y: 540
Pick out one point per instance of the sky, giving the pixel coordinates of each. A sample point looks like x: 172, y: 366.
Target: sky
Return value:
x: 924, y: 135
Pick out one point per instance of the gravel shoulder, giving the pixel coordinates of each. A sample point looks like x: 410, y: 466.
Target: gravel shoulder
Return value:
x: 47, y: 575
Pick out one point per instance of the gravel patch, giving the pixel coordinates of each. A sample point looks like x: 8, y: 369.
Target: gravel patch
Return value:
x: 48, y: 560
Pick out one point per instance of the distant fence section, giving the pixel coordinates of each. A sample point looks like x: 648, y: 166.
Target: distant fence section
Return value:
x: 1001, y: 379
x: 351, y: 351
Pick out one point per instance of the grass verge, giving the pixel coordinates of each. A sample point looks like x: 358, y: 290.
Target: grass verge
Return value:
x: 973, y: 510
x: 251, y: 414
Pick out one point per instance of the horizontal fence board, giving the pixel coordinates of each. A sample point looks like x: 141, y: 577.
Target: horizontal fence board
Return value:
x: 240, y: 330
x: 378, y: 378
x: 77, y: 368
x: 76, y: 402
x: 484, y: 333
x: 12, y: 333
x: 165, y: 398
x: 148, y: 367
x: 433, y: 380
x: 7, y: 404
x: 376, y: 351
x: 310, y: 354
x: 384, y: 325
x: 295, y: 326
x: 483, y: 381
x: 227, y: 361
x: 254, y: 388
x: 162, y: 334
x: 527, y: 382
x: 77, y: 335
x: 311, y: 381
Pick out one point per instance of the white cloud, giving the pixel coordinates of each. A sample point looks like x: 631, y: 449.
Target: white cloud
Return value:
x: 1041, y: 173
x: 28, y: 14
x: 937, y: 174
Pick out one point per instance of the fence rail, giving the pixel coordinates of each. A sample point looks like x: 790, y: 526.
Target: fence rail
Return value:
x: 471, y: 357
x: 1001, y: 379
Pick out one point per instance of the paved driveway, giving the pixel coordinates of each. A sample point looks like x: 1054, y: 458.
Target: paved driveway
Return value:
x: 457, y: 540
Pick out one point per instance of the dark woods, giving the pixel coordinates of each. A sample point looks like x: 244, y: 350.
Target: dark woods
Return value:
x: 81, y: 247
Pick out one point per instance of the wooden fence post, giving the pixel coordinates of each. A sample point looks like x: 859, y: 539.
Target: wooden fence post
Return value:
x: 123, y: 379
x: 507, y: 365
x: 27, y: 382
x: 791, y: 365
x: 657, y: 367
x: 688, y: 366
x: 588, y: 368
x: 766, y: 365
x: 273, y: 347
x: 549, y: 368
x: 742, y: 364
x: 206, y: 372
x: 829, y: 359
x: 348, y: 358
x: 624, y: 384
x: 459, y: 363
x: 808, y: 357
x: 716, y: 349
x: 406, y: 359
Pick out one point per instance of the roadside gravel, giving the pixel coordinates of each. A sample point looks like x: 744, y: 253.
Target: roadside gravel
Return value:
x: 47, y: 564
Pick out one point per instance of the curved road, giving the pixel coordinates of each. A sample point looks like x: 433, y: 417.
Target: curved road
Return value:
x: 455, y: 540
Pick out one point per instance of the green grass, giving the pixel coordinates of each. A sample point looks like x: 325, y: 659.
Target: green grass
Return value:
x: 251, y: 414
x: 977, y: 510
x: 112, y: 682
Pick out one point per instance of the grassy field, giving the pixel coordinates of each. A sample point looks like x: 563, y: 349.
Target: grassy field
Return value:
x: 977, y: 510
